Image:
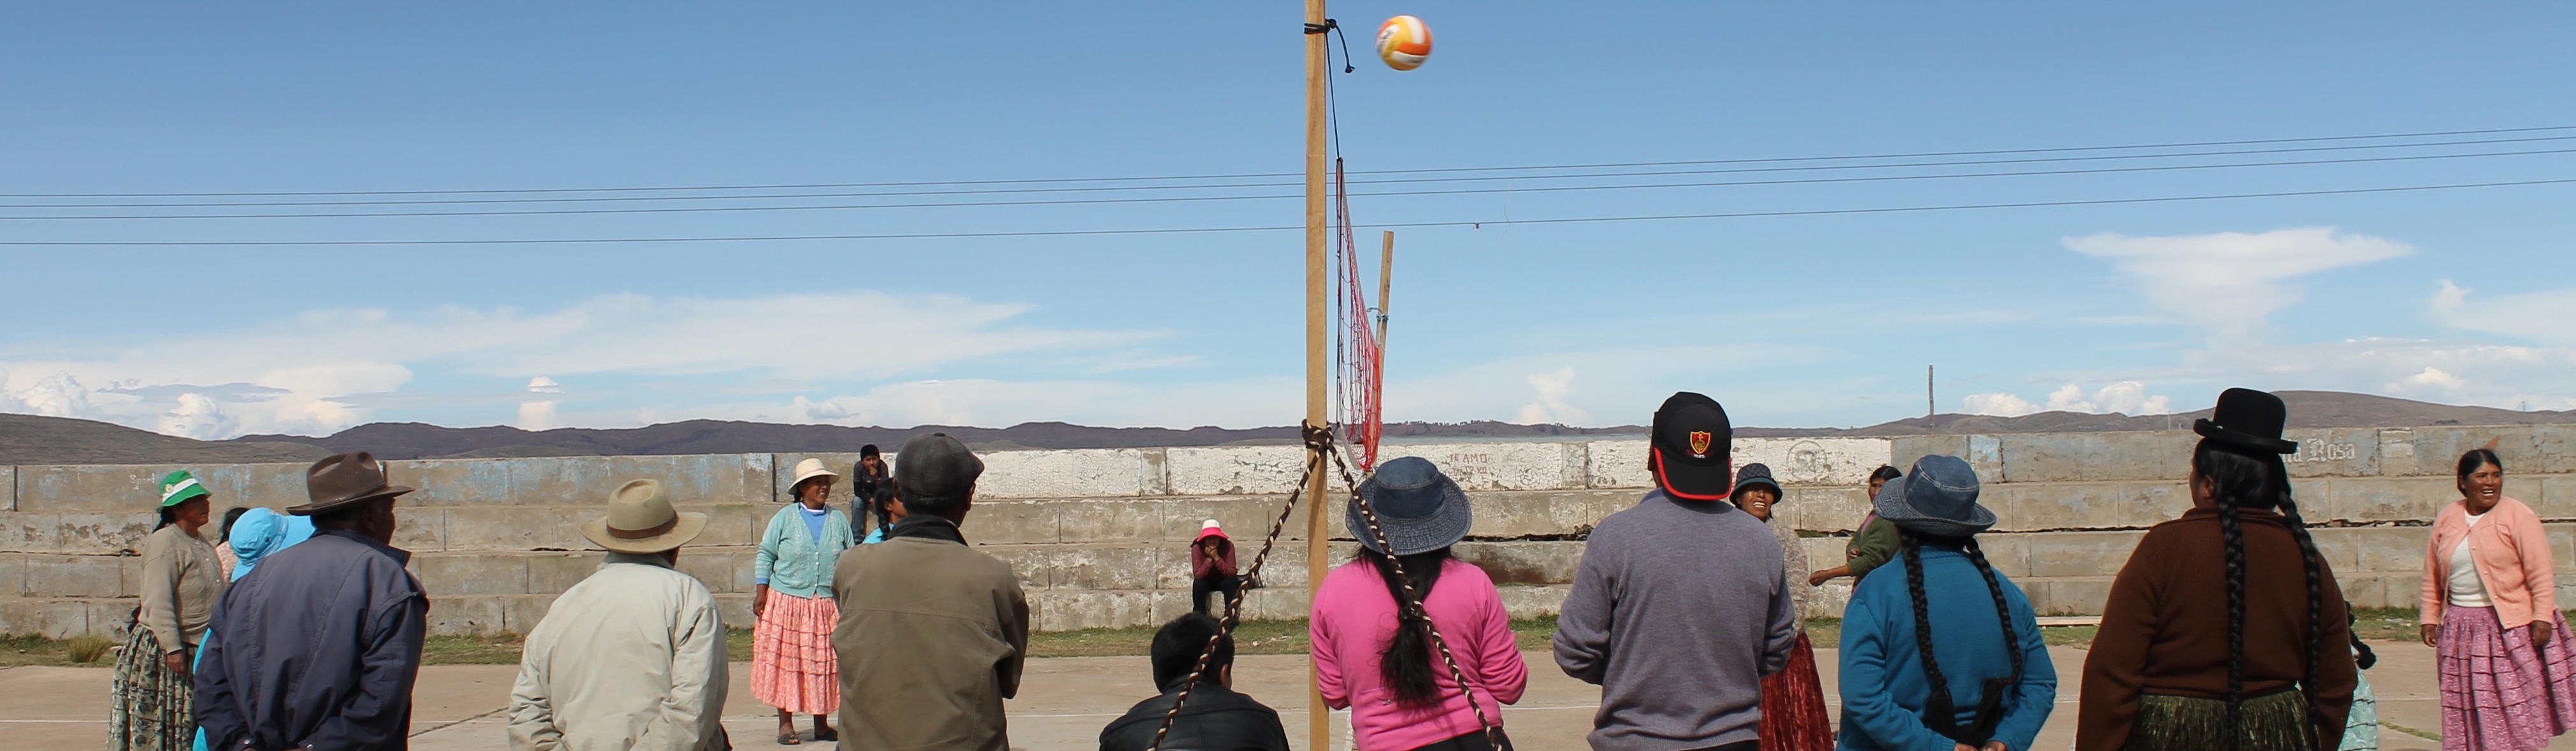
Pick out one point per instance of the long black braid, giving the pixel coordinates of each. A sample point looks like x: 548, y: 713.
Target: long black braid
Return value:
x: 1406, y: 663
x: 2243, y: 482
x: 1941, y: 713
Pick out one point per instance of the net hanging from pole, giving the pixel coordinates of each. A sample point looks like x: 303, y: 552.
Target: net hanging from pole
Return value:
x: 1358, y: 382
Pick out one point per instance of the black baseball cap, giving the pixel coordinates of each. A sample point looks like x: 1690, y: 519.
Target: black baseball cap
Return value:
x: 1690, y: 444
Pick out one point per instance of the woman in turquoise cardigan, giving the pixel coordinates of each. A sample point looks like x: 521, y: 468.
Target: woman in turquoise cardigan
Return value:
x: 1945, y: 654
x: 792, y: 664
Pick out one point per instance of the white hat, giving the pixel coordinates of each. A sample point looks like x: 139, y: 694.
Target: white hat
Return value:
x: 810, y: 469
x: 1208, y: 525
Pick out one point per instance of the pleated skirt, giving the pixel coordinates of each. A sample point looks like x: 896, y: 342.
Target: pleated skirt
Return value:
x: 151, y: 708
x: 792, y: 663
x: 2499, y: 693
x: 1793, y: 705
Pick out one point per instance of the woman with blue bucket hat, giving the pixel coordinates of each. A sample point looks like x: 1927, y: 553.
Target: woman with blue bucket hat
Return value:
x: 1947, y: 654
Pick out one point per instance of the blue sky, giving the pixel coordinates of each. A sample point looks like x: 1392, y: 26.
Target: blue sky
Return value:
x: 2459, y: 296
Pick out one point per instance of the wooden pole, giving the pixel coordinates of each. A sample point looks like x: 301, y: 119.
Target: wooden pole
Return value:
x: 1319, y: 718
x: 1385, y: 275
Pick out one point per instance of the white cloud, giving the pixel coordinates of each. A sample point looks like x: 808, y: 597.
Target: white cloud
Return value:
x: 2542, y: 316
x: 312, y: 374
x: 1999, y: 404
x: 2124, y: 397
x: 2229, y: 283
x: 198, y: 416
x: 1551, y: 406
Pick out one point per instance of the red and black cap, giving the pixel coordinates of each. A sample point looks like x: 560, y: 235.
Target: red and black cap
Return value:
x: 1690, y: 445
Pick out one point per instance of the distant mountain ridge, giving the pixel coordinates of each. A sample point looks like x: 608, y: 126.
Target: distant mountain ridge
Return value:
x: 31, y: 439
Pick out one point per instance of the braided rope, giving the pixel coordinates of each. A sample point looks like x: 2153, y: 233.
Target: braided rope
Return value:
x: 1233, y: 611
x: 1412, y: 599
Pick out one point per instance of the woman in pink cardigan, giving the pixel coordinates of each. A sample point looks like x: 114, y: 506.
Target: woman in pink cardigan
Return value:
x: 2490, y: 612
x: 1401, y: 694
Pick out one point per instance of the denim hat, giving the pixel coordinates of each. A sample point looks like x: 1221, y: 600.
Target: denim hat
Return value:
x: 1938, y: 498
x: 1419, y: 509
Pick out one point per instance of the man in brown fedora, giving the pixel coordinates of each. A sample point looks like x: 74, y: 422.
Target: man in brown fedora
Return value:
x: 320, y: 644
x: 633, y: 657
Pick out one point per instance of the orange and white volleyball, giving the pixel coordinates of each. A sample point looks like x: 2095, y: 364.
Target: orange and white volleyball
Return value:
x: 1403, y: 42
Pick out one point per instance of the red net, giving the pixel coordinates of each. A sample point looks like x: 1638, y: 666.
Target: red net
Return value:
x: 1359, y: 380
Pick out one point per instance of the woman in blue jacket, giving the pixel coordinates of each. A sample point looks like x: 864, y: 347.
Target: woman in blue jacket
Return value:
x: 793, y: 666
x: 1947, y: 656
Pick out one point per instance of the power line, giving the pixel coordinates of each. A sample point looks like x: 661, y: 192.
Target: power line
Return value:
x: 1279, y: 184
x: 1179, y: 199
x: 1231, y: 176
x: 1187, y: 230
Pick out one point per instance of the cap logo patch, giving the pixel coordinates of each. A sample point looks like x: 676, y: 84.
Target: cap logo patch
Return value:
x: 1699, y: 440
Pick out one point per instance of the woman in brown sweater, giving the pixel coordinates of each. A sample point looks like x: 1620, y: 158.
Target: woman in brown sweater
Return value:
x: 2270, y: 669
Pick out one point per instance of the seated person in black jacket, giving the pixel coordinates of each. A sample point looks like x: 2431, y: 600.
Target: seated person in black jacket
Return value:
x: 1216, y: 718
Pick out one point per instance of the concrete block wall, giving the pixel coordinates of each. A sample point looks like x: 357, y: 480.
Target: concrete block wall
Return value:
x: 1099, y: 537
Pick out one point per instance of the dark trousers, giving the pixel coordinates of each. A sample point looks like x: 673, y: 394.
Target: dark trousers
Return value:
x: 1471, y: 742
x: 1201, y: 586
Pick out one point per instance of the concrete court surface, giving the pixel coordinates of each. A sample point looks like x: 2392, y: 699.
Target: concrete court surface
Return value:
x: 1065, y: 701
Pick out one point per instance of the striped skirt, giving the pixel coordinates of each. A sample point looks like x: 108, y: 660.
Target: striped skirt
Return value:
x: 2498, y: 693
x: 150, y: 708
x: 1793, y: 705
x: 792, y: 663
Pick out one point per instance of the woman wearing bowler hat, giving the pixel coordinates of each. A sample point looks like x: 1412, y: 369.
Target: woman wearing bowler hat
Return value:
x: 1944, y: 653
x: 1793, y: 700
x: 2270, y: 670
x: 1372, y: 650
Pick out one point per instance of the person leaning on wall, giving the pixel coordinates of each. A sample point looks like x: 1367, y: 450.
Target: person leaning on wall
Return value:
x: 2490, y: 612
x: 1872, y: 546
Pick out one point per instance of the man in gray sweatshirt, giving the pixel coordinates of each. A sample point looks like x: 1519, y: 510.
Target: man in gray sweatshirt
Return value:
x: 1679, y: 607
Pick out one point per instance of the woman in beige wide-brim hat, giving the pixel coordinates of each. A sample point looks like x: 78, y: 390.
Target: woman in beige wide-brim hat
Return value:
x: 793, y: 667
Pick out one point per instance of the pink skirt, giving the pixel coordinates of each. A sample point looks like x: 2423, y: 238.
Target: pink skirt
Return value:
x: 792, y: 664
x: 2498, y: 693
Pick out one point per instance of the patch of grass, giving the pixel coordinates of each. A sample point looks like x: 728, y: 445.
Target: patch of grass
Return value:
x: 481, y: 649
x: 2385, y: 624
x: 36, y: 650
x: 87, y: 648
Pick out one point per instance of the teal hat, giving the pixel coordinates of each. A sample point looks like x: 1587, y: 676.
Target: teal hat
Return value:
x: 177, y: 487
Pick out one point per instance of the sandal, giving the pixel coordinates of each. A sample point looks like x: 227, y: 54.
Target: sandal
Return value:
x: 826, y: 734
x: 788, y: 739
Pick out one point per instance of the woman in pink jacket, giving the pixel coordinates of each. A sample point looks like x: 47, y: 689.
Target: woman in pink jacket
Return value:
x: 2490, y: 612
x: 1374, y: 656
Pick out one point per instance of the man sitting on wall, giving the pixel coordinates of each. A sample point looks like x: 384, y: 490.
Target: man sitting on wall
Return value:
x: 1216, y: 718
x: 933, y: 634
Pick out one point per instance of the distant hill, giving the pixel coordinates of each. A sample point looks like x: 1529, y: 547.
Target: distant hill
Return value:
x: 35, y: 439
x: 28, y: 439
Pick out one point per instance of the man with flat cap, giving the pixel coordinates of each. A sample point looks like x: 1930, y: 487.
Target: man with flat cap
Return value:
x: 321, y: 643
x: 633, y: 657
x: 933, y: 634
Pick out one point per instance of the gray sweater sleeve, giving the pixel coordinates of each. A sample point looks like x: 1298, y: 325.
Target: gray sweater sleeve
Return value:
x: 1783, y: 633
x: 1582, y: 642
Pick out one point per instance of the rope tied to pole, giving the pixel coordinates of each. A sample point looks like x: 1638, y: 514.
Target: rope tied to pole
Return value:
x: 1330, y: 25
x: 1320, y: 444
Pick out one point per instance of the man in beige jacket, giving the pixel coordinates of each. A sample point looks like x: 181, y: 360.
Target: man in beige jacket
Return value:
x: 932, y: 634
x: 633, y: 657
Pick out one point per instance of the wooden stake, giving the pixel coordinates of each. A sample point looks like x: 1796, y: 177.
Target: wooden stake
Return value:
x: 1385, y: 275
x: 1319, y: 718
